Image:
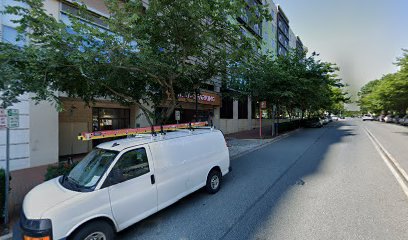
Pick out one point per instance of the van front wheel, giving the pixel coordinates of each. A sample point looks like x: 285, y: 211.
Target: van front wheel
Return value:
x: 213, y: 181
x: 99, y: 230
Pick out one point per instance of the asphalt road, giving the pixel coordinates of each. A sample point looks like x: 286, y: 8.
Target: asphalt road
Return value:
x: 328, y: 183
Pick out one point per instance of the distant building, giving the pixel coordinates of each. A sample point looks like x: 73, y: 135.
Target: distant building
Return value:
x: 283, y: 32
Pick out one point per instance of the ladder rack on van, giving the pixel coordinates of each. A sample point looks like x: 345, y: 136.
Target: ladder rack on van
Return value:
x: 86, y: 136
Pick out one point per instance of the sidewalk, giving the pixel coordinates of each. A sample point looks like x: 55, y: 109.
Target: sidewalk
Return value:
x: 245, y: 142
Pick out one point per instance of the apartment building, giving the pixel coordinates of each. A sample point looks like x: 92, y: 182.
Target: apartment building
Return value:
x: 46, y: 135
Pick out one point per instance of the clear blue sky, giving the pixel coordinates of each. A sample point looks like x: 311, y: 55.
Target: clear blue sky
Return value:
x: 363, y: 37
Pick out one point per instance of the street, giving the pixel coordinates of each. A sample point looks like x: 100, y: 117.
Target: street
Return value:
x: 327, y: 183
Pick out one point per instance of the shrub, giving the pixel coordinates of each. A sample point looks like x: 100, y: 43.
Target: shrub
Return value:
x: 59, y: 169
x: 2, y: 192
x: 288, y: 126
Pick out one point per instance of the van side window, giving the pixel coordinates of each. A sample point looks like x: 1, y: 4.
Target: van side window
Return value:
x: 132, y: 164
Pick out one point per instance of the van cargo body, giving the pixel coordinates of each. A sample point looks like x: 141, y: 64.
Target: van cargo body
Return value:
x: 124, y: 181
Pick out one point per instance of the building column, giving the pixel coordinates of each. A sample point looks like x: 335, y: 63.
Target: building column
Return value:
x: 249, y: 113
x: 235, y: 120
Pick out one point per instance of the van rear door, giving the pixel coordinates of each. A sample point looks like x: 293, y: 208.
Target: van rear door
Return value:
x: 132, y: 190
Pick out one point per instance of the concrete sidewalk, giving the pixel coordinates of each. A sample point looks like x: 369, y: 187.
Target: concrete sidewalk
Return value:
x: 241, y: 143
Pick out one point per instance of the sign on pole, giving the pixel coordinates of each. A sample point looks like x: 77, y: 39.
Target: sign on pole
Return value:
x: 3, y: 118
x: 177, y: 115
x: 13, y: 118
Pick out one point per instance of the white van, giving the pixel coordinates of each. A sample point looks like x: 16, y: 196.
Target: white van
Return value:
x: 122, y: 182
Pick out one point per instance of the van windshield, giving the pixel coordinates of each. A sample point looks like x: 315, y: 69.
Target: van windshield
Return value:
x: 85, y: 175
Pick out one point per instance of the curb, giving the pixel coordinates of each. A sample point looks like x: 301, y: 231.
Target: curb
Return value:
x: 273, y: 140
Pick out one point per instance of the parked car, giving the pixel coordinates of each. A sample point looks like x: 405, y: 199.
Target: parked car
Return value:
x: 314, y: 122
x: 395, y: 119
x: 325, y: 120
x: 368, y: 117
x: 335, y: 118
x: 388, y: 118
x: 404, y: 120
x: 124, y: 181
x: 381, y: 118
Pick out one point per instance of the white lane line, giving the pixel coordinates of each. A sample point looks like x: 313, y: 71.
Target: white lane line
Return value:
x: 395, y: 168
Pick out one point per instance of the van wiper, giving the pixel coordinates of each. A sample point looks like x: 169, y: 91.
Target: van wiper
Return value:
x: 77, y: 185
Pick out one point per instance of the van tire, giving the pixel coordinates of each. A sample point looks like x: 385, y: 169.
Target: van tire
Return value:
x: 213, y: 183
x: 98, y: 228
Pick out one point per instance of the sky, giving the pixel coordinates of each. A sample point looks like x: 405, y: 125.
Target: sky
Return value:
x: 363, y: 37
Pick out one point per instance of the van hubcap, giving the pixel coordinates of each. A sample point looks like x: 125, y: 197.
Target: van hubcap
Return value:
x: 96, y: 236
x: 215, y: 181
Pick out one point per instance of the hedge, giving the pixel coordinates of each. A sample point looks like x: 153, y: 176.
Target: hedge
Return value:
x: 2, y: 192
x: 61, y: 168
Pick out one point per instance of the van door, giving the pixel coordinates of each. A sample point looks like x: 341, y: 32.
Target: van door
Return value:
x: 132, y: 190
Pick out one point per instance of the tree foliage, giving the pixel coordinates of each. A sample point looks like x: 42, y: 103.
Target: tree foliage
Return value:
x: 295, y: 81
x: 388, y: 94
x: 147, y: 55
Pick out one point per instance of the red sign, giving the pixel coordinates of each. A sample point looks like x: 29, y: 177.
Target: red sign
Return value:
x: 263, y: 104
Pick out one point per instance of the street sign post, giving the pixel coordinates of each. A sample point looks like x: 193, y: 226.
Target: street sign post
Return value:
x: 177, y: 115
x: 262, y: 105
x: 9, y: 120
x: 13, y: 118
x: 3, y: 118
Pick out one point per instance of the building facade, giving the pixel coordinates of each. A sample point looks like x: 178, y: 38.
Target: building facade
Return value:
x: 45, y: 135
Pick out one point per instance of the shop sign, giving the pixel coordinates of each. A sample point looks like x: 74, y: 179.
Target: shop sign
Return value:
x: 203, y: 98
x: 263, y: 104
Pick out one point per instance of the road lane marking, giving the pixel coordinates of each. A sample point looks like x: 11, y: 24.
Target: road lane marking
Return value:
x: 395, y: 168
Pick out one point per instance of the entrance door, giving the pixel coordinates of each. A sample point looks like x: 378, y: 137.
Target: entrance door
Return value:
x: 134, y: 196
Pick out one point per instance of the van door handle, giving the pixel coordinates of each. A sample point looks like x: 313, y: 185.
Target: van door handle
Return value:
x: 152, y: 180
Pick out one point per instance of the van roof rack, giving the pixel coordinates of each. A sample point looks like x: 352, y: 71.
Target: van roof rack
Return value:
x: 86, y: 136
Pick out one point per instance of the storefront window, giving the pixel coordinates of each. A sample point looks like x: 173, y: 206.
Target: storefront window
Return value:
x: 110, y: 118
x: 243, y: 109
x: 227, y: 108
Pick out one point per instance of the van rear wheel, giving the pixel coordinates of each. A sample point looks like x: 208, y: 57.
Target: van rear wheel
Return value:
x: 213, y: 184
x: 99, y: 230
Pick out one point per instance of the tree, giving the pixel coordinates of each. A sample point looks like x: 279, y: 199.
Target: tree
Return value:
x: 388, y: 94
x: 147, y: 57
x: 294, y: 81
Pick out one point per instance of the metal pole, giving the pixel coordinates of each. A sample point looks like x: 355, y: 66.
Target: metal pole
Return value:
x: 260, y: 121
x: 196, y: 105
x: 7, y: 180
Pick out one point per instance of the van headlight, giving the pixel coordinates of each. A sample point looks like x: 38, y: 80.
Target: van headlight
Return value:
x: 36, y: 228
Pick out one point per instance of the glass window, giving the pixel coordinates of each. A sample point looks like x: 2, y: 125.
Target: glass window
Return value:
x: 243, y: 109
x: 10, y: 36
x: 227, y: 108
x: 87, y: 173
x: 132, y: 164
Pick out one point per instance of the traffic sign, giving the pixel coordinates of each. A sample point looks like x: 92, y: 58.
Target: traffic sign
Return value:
x: 13, y: 118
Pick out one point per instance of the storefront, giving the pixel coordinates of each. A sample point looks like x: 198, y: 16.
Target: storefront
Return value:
x: 77, y: 117
x: 199, y: 109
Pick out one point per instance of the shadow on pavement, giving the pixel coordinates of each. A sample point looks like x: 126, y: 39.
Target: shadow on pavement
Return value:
x: 273, y: 169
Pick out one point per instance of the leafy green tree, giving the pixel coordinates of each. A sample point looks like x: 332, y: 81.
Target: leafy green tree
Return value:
x: 146, y: 57
x: 294, y: 81
x: 388, y: 94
